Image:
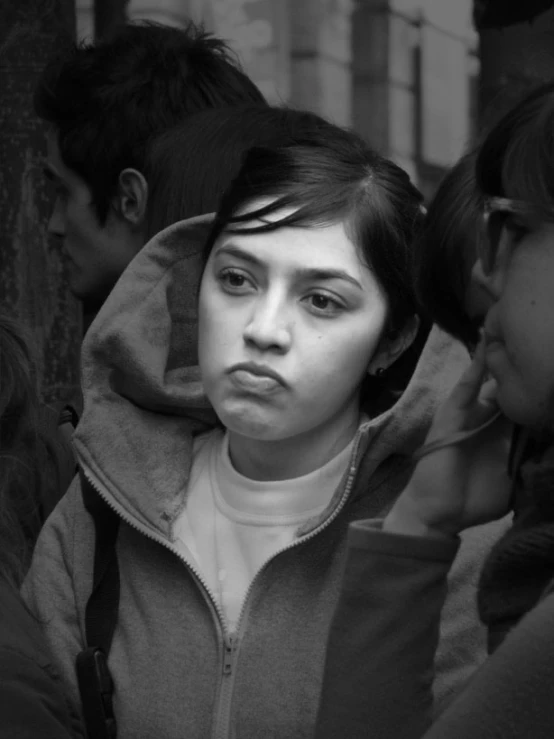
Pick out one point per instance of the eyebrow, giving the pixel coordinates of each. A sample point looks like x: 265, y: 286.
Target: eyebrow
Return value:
x: 306, y: 273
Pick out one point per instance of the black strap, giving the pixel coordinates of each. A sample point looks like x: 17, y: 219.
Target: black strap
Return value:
x: 103, y: 604
x: 93, y: 676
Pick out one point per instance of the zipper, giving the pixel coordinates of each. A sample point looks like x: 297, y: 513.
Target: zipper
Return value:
x: 223, y: 721
x: 230, y: 646
x: 160, y: 540
x: 231, y: 641
x: 307, y: 537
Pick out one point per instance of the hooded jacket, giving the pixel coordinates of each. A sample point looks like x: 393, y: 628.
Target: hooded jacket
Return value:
x: 177, y: 672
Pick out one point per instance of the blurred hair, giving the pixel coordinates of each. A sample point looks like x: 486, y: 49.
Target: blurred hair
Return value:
x: 106, y: 101
x: 447, y: 250
x: 516, y: 159
x: 334, y: 178
x: 189, y: 167
x: 22, y: 452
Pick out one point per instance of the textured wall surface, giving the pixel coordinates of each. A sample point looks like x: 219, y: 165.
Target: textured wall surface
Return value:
x: 32, y: 285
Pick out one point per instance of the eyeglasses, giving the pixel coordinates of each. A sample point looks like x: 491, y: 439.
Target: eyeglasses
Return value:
x: 496, y: 215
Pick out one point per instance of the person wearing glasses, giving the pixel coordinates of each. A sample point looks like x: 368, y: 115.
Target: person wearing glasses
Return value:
x: 382, y: 646
x: 447, y: 249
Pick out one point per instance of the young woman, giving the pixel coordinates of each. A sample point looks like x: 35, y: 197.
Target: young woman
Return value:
x: 32, y: 701
x: 379, y: 666
x: 232, y: 525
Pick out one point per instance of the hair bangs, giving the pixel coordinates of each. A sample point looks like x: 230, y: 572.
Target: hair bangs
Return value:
x: 308, y: 211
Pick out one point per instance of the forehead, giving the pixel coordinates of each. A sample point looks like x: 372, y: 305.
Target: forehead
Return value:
x: 304, y: 246
x: 297, y: 247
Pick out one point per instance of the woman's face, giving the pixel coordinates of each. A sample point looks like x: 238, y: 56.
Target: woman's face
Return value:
x: 519, y: 327
x: 289, y: 322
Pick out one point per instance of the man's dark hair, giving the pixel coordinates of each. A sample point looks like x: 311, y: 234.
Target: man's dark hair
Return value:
x: 107, y: 101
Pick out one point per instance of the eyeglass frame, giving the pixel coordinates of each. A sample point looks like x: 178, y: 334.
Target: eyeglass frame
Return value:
x: 487, y: 248
x: 487, y: 251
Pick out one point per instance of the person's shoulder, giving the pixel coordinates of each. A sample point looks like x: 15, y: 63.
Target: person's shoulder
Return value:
x: 20, y: 634
x: 32, y: 696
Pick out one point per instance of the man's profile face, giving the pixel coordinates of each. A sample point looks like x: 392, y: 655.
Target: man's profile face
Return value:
x: 96, y: 254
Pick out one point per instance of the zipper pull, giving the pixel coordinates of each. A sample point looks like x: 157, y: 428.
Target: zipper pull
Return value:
x: 230, y: 647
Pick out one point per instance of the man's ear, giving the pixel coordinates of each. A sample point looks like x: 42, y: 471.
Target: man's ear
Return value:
x: 132, y: 197
x: 393, y: 346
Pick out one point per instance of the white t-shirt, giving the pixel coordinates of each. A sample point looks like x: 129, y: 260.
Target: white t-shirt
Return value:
x: 232, y: 525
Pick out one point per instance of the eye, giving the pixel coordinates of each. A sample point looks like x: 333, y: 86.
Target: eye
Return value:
x: 233, y: 280
x: 323, y: 304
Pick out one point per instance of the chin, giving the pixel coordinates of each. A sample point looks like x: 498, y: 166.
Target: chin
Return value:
x: 252, y: 423
x: 524, y: 410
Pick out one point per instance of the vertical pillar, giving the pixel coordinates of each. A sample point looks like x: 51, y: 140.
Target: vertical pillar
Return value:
x: 32, y: 285
x: 321, y: 33
x: 371, y: 40
x: 513, y: 60
x: 109, y: 15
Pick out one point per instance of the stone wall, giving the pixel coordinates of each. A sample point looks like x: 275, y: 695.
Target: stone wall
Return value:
x: 32, y: 284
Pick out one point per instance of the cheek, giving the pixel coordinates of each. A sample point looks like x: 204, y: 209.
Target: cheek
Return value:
x: 80, y: 226
x: 526, y: 370
x: 338, y: 362
x: 213, y: 327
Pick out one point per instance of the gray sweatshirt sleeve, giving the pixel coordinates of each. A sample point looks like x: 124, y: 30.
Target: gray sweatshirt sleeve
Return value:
x: 380, y: 661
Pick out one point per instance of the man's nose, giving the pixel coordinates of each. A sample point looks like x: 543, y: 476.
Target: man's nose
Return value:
x: 56, y: 224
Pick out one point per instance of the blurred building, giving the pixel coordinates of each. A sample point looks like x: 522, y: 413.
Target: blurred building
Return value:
x: 403, y: 73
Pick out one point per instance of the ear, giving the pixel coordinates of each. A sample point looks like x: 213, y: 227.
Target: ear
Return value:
x: 392, y: 347
x: 132, y: 196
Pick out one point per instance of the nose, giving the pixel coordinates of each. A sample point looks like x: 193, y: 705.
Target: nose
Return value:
x: 268, y: 328
x: 56, y: 224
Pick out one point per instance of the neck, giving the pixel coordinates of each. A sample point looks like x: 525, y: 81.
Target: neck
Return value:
x: 295, y: 456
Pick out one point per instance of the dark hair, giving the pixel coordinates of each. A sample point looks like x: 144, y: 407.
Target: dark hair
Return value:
x: 516, y: 159
x: 337, y: 179
x: 107, y: 101
x: 21, y: 454
x: 447, y: 250
x: 189, y: 167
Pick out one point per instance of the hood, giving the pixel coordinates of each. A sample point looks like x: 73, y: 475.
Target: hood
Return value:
x: 143, y: 398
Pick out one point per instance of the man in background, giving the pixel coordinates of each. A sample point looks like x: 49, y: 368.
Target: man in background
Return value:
x: 104, y: 103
